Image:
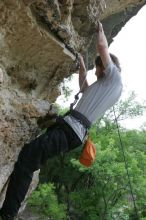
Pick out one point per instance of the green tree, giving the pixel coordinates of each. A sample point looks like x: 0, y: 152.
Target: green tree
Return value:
x: 102, y: 191
x: 44, y: 202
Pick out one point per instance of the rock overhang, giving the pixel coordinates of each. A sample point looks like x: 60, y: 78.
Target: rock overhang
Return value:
x: 39, y: 40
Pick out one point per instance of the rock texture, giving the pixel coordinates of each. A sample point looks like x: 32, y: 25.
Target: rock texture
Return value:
x: 39, y: 40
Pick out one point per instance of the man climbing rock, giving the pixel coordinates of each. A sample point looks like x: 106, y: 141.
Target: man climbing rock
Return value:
x: 68, y: 132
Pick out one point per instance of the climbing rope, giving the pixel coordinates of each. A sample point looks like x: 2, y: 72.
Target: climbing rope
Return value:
x: 126, y: 166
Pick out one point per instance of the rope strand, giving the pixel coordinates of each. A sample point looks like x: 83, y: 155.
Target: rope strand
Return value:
x: 126, y: 166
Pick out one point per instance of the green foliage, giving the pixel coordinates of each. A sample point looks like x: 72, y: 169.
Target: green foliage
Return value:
x: 44, y: 202
x: 102, y: 191
x: 60, y: 110
x: 66, y: 91
x: 109, y: 197
x: 128, y: 108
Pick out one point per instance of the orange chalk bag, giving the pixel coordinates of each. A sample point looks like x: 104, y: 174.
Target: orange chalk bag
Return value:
x: 88, y: 154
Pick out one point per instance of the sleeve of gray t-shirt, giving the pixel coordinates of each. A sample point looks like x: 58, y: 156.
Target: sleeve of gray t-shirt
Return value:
x: 112, y: 71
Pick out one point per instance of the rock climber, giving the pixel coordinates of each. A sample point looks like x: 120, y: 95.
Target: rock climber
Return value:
x: 68, y: 132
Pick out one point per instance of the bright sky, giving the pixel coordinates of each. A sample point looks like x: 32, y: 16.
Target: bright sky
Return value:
x: 130, y: 47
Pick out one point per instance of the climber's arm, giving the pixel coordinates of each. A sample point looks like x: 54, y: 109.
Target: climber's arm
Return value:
x: 102, y: 46
x: 82, y: 75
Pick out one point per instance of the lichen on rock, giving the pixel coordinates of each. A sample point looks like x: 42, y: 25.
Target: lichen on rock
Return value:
x: 38, y: 43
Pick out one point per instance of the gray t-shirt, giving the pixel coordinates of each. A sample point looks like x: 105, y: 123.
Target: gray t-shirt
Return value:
x: 97, y: 98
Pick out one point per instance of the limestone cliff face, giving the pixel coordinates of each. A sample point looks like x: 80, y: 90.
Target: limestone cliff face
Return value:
x: 38, y: 43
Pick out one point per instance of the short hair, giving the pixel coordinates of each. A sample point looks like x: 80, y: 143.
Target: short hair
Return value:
x: 98, y: 61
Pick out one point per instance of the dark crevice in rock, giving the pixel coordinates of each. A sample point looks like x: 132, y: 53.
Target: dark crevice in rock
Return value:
x: 42, y: 18
x: 38, y: 43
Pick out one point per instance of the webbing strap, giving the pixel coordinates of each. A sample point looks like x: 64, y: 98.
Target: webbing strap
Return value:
x: 79, y: 116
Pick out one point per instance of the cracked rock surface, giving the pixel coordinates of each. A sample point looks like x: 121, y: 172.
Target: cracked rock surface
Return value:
x: 38, y: 43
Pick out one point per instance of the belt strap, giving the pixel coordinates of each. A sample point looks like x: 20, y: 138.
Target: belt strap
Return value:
x: 80, y: 117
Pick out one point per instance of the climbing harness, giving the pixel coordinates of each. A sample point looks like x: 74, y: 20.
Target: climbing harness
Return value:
x: 80, y: 117
x: 126, y: 166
